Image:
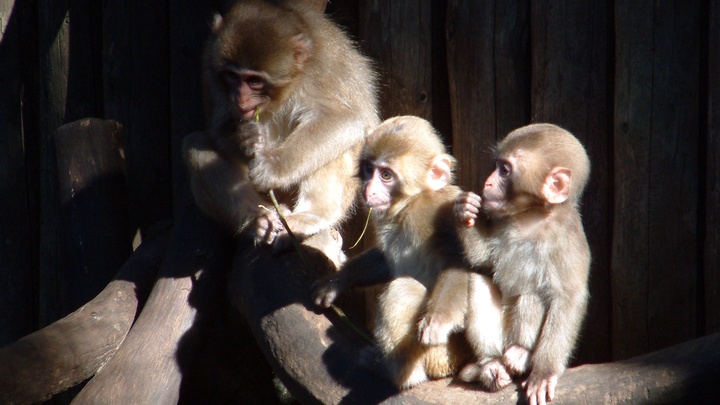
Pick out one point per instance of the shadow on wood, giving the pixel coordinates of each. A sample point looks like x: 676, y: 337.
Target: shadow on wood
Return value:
x: 72, y: 349
x: 159, y: 350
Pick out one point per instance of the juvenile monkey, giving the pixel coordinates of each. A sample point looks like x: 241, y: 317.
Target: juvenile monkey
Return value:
x: 407, y: 181
x: 291, y: 98
x: 538, y: 249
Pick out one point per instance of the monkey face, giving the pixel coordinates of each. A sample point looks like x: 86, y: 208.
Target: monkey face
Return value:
x: 497, y: 188
x: 248, y: 90
x: 379, y: 181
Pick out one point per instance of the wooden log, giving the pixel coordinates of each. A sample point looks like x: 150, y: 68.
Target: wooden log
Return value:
x: 72, y: 349
x: 685, y: 373
x: 160, y: 348
x: 96, y: 239
x: 315, y: 360
x: 316, y: 356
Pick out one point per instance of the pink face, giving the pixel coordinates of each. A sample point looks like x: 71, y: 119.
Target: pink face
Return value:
x: 495, y: 193
x: 378, y: 183
x: 248, y: 90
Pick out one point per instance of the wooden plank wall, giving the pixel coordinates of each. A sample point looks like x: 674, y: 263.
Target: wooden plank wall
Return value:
x: 636, y: 80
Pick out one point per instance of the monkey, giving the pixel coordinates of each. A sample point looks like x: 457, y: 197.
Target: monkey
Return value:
x: 290, y: 98
x: 407, y: 178
x: 538, y: 250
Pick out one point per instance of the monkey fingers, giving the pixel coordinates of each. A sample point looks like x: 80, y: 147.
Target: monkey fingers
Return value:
x: 263, y: 172
x: 268, y: 226
x: 325, y: 291
x: 467, y: 206
x: 434, y: 329
x: 251, y: 138
x: 540, y: 390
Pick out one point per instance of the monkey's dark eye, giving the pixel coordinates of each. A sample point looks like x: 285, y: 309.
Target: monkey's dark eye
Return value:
x: 504, y: 168
x: 255, y: 82
x: 230, y: 77
x: 366, y: 169
x: 386, y: 175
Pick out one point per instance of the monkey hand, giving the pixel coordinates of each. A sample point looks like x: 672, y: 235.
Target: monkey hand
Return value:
x: 268, y: 225
x: 264, y: 171
x: 516, y: 359
x: 325, y: 291
x: 467, y: 206
x: 434, y: 329
x: 251, y: 138
x: 540, y: 389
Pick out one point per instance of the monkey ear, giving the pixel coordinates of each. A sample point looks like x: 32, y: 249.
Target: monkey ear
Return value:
x: 440, y: 173
x: 216, y: 23
x: 302, y: 47
x: 556, y: 188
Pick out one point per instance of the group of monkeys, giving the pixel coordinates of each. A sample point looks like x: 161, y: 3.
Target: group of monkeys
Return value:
x: 490, y: 287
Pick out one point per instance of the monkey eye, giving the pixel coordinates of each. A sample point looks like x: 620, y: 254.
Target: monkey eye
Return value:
x: 254, y: 81
x: 386, y: 175
x: 504, y: 168
x: 230, y: 77
x: 366, y: 169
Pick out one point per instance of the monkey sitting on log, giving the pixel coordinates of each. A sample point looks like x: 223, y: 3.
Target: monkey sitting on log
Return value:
x: 429, y: 293
x: 291, y: 98
x: 538, y: 249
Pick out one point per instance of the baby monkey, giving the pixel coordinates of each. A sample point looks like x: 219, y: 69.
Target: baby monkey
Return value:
x: 428, y: 291
x: 537, y: 248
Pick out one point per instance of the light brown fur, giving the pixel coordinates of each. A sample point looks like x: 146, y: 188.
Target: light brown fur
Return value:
x: 318, y: 99
x: 538, y: 249
x: 427, y: 299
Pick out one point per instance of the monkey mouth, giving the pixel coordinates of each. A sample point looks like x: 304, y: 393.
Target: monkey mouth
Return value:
x: 248, y: 114
x: 379, y: 208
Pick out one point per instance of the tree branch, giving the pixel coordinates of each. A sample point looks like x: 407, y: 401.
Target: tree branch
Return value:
x: 72, y: 349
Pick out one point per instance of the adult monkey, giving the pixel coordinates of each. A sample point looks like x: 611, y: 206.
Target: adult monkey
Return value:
x: 538, y: 249
x: 291, y: 98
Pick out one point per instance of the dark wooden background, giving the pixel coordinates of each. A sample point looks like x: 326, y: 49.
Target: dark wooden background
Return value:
x: 638, y: 81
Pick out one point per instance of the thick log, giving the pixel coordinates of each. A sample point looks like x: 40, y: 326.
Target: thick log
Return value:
x: 316, y: 361
x: 159, y: 350
x: 72, y: 349
x: 316, y: 356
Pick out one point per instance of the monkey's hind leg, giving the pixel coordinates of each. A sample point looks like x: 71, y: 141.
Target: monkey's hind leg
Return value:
x: 485, y: 334
x: 399, y: 308
x: 524, y: 318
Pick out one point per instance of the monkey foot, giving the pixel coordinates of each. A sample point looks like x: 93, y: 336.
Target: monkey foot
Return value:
x: 516, y: 360
x: 492, y: 375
